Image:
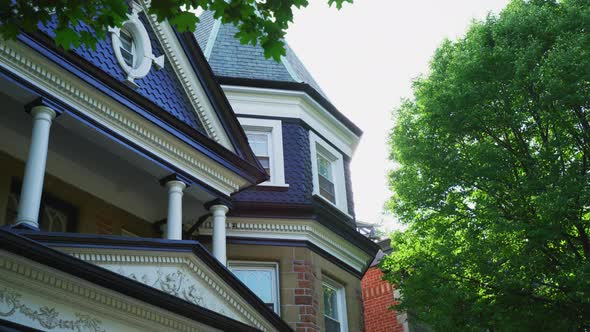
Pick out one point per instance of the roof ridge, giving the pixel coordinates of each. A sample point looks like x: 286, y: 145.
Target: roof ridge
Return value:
x: 212, y: 38
x: 229, y: 58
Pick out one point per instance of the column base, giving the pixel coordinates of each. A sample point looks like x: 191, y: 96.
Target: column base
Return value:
x: 25, y: 226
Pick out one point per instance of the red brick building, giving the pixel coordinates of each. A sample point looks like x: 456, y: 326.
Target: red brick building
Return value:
x: 378, y: 297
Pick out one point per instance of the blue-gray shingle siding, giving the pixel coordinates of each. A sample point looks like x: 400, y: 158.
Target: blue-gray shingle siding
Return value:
x: 161, y: 87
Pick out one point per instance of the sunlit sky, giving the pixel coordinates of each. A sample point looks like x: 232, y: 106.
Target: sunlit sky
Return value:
x: 365, y: 57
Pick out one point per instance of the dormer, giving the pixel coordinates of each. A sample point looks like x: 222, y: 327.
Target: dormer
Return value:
x: 298, y: 136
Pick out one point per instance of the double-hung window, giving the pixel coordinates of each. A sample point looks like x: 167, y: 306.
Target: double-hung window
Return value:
x: 334, y: 306
x: 326, y: 176
x: 266, y: 141
x: 260, y: 141
x: 261, y: 278
x: 329, y: 181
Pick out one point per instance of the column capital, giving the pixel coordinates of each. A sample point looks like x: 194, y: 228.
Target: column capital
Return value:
x: 174, y: 177
x: 43, y: 113
x: 218, y: 201
x: 219, y: 210
x: 175, y: 185
x: 41, y: 106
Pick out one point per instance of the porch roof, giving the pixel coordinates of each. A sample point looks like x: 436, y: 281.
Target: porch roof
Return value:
x: 35, y: 246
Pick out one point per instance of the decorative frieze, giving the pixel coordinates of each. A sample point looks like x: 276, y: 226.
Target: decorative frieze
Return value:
x: 180, y: 275
x: 21, y: 274
x: 48, y: 317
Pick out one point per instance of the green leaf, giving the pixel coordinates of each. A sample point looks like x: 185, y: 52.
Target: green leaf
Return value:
x: 258, y: 22
x: 185, y: 21
x: 66, y: 37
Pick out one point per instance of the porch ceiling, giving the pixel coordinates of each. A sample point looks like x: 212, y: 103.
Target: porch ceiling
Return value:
x: 84, y: 157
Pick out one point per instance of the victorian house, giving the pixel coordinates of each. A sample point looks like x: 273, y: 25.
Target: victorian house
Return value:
x: 170, y: 181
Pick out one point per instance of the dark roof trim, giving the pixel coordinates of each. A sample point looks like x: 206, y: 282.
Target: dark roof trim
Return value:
x: 304, y: 87
x: 26, y: 244
x: 8, y: 326
x: 332, y: 218
x: 249, y: 168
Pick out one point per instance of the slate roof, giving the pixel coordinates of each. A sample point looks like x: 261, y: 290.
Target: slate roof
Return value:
x: 229, y: 58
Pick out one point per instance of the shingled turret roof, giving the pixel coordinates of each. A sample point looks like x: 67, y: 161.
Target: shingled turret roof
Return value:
x: 229, y: 58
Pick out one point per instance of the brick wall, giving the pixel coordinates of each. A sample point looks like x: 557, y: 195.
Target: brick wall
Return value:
x: 378, y: 297
x: 305, y: 297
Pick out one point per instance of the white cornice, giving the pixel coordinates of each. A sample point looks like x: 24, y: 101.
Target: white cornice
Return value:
x: 48, y: 76
x: 306, y: 230
x: 67, y: 296
x: 292, y: 104
x: 190, y: 82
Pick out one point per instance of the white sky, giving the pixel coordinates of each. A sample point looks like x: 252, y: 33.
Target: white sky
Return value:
x: 365, y: 57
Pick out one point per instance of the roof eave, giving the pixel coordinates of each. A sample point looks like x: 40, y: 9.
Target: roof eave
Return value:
x: 294, y: 86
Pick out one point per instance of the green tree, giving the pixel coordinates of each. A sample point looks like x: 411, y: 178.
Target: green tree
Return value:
x: 493, y: 184
x: 263, y: 22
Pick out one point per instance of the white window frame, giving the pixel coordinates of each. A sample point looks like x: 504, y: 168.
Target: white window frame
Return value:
x: 257, y: 265
x: 275, y: 147
x: 338, y: 174
x: 341, y: 300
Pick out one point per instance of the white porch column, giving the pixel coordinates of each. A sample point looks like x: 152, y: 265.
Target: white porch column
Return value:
x: 174, y: 222
x: 30, y: 195
x: 219, y: 238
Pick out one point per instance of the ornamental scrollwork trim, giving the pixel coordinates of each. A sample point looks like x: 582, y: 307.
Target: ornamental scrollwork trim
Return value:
x: 178, y: 284
x: 47, y: 317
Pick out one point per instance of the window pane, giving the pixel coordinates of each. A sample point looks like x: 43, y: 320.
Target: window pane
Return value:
x: 127, y: 47
x: 325, y: 167
x: 327, y: 189
x: 331, y: 325
x: 330, y: 303
x: 258, y: 143
x: 265, y: 162
x: 259, y: 281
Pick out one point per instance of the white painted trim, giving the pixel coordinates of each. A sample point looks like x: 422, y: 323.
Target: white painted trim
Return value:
x: 212, y: 38
x: 341, y: 298
x: 276, y: 290
x: 277, y: 160
x: 338, y: 172
x: 22, y: 274
x: 189, y: 80
x: 299, y: 230
x: 48, y: 76
x: 292, y: 104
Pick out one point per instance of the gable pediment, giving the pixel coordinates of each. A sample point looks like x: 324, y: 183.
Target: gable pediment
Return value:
x: 184, y: 95
x: 182, y: 275
x: 158, y: 286
x: 175, y: 97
